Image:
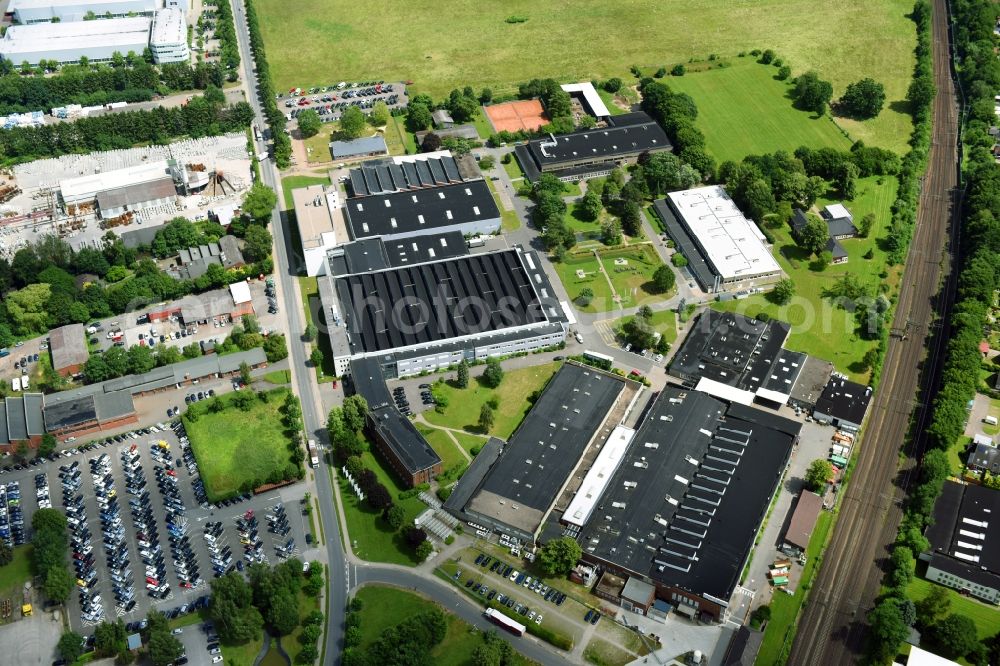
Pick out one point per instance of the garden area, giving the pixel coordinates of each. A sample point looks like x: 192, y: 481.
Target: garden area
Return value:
x: 513, y: 397
x: 14, y: 575
x: 629, y: 269
x: 663, y: 322
x: 820, y: 328
x: 241, y: 441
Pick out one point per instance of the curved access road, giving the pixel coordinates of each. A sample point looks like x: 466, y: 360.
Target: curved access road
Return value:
x: 832, y: 628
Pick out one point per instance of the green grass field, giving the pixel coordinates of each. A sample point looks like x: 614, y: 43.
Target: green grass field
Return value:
x: 13, y: 577
x: 446, y: 45
x: 743, y: 111
x: 375, y: 540
x: 663, y: 322
x: 817, y: 327
x: 591, y: 277
x: 986, y: 617
x: 233, y: 446
x: 632, y: 282
x: 443, y: 446
x: 509, y: 221
x: 278, y: 377
x: 464, y: 405
x: 386, y: 607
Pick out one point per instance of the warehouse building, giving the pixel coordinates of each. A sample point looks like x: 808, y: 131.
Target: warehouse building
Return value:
x: 466, y: 207
x: 38, y: 11
x: 21, y: 422
x: 800, y: 527
x: 410, y: 173
x: 89, y: 413
x: 432, y: 315
x: 682, y: 510
x: 321, y: 224
x: 66, y: 42
x: 230, y: 304
x: 843, y: 403
x: 374, y: 254
x: 725, y: 250
x: 573, y: 416
x: 738, y: 359
x: 964, y: 541
x: 193, y: 262
x: 169, y: 39
x: 395, y: 437
x: 593, y: 152
x: 369, y: 146
x: 112, y: 193
x: 68, y: 346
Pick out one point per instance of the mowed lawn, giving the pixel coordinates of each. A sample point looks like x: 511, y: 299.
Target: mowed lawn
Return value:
x: 986, y: 617
x: 454, y: 43
x: 233, y: 446
x: 663, y: 322
x: 744, y: 111
x: 819, y: 328
x: 13, y: 576
x: 464, y: 405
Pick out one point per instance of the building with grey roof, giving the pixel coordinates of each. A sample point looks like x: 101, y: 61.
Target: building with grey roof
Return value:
x: 68, y: 347
x: 193, y: 262
x: 112, y: 203
x: 370, y: 146
x: 396, y: 175
x: 374, y: 254
x: 21, y: 422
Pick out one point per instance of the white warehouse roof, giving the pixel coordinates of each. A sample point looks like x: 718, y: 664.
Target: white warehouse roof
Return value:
x: 240, y: 292
x: 733, y: 245
x: 589, y: 93
x: 118, y: 34
x: 599, y: 476
x: 85, y: 188
x: 169, y: 27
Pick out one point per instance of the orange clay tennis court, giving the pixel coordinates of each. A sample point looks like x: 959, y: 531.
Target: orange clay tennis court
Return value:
x: 515, y: 116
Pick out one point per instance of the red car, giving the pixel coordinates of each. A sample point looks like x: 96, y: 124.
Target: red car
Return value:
x: 635, y: 373
x: 152, y: 581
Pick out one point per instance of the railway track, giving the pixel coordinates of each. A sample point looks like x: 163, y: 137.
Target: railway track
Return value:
x: 832, y: 628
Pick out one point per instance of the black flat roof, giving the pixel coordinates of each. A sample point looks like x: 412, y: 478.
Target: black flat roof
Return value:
x: 642, y: 135
x: 685, y: 504
x: 965, y: 528
x: 385, y: 176
x: 436, y: 301
x: 396, y: 430
x: 844, y: 399
x: 417, y: 211
x: 546, y: 447
x: 731, y: 349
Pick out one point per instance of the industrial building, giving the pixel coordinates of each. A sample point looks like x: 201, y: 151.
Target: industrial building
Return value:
x: 593, y: 152
x: 682, y: 510
x: 589, y: 99
x: 112, y: 193
x: 411, y: 172
x: 964, y: 541
x: 319, y: 217
x: 840, y: 226
x: 369, y: 146
x: 567, y: 428
x: 68, y: 347
x: 39, y: 11
x: 466, y: 207
x: 395, y: 437
x: 801, y: 525
x: 68, y: 41
x: 230, y: 304
x: 193, y: 262
x: 725, y: 250
x: 169, y: 39
x: 431, y: 315
x: 21, y: 422
x: 843, y: 403
x: 374, y: 254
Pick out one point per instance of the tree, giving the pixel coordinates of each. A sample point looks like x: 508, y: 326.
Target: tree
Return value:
x: 613, y: 85
x: 164, y: 648
x: 678, y: 260
x: 664, y: 279
x: 955, y: 635
x: 48, y: 445
x: 70, y: 646
x: 316, y: 357
x: 282, y: 612
x: 486, y: 418
x: 814, y: 235
x: 932, y: 606
x: 902, y: 566
x: 638, y: 332
x: 783, y: 291
x: 611, y: 233
x: 418, y: 117
x: 864, y: 98
x: 462, y: 375
x: 309, y: 123
x: 888, y: 630
x: 767, y: 57
x: 921, y: 92
x: 432, y: 142
x: 275, y: 348
x: 256, y: 243
x: 355, y: 411
x: 58, y: 583
x: 812, y: 93
x: 378, y: 497
x: 819, y: 473
x: 352, y: 122
x: 784, y: 72
x: 559, y: 556
x: 310, y: 332
x: 414, y: 536
x: 424, y: 550
x: 678, y: 70
x: 259, y: 201
x: 140, y: 359
x: 589, y: 206
x: 585, y: 297
x: 379, y: 115
x: 866, y: 224
x: 110, y: 639
x: 395, y: 515
x: 493, y: 374
x: 48, y: 519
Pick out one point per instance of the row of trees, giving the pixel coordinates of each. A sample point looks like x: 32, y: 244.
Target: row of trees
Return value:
x: 409, y: 642
x: 225, y: 32
x: 275, y: 117
x: 202, y: 116
x: 50, y: 547
x: 676, y: 113
x: 951, y: 634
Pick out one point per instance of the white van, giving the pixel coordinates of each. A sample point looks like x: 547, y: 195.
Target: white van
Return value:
x: 24, y: 383
x: 990, y: 420
x: 15, y: 384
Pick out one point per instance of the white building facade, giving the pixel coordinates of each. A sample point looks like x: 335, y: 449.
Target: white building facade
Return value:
x: 39, y: 11
x: 168, y: 41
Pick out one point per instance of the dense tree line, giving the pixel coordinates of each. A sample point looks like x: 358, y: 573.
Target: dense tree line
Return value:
x: 225, y: 32
x: 409, y: 643
x: 50, y: 546
x: 676, y: 113
x: 275, y: 117
x: 200, y: 117
x: 127, y: 78
x: 950, y: 634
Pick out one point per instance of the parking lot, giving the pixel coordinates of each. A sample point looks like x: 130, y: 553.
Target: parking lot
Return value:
x: 138, y: 528
x: 331, y: 101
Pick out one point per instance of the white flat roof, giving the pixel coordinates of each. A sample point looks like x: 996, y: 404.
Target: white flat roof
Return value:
x: 837, y: 211
x: 421, y: 157
x: 240, y: 292
x: 582, y: 505
x: 313, y: 213
x: 85, y: 187
x: 45, y: 4
x: 724, y: 391
x: 732, y: 244
x: 919, y: 657
x: 773, y: 396
x: 69, y: 35
x: 589, y: 93
x: 169, y: 27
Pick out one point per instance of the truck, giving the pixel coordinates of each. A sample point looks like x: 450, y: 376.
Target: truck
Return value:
x: 504, y: 622
x: 313, y: 453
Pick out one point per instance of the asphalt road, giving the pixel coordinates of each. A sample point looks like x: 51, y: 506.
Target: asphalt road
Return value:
x: 833, y: 628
